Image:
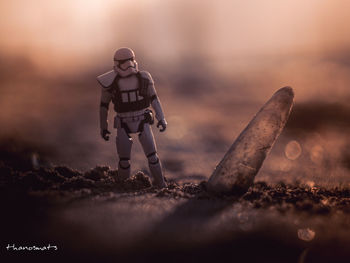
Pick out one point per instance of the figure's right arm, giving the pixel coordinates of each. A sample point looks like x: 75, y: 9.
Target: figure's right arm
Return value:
x: 105, y: 80
x: 106, y: 98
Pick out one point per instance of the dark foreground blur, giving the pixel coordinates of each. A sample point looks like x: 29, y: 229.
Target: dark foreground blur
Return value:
x: 97, y: 216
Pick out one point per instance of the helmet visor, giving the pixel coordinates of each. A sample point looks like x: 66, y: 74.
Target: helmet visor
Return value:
x: 126, y: 63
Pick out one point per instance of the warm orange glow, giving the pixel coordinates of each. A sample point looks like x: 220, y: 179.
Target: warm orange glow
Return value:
x: 56, y: 30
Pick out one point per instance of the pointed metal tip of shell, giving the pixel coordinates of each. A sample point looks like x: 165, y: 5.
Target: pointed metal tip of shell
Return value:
x: 236, y: 171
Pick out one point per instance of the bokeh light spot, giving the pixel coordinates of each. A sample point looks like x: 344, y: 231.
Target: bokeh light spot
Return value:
x: 306, y: 234
x: 316, y: 154
x: 293, y: 150
x: 310, y: 183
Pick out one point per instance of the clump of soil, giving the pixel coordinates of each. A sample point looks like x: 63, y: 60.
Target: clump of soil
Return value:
x: 60, y: 183
x: 64, y: 181
x: 314, y: 200
x: 22, y: 176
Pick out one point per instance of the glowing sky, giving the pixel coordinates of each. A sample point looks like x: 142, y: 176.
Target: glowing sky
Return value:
x: 52, y: 31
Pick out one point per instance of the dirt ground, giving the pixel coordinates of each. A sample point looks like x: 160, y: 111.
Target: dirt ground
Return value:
x: 97, y: 216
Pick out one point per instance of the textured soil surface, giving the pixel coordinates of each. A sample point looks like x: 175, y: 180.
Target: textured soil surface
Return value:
x: 98, y: 216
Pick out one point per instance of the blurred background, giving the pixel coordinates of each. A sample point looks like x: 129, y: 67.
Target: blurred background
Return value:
x: 214, y: 63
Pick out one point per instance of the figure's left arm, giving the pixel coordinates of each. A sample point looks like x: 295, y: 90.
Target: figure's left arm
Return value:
x: 156, y: 105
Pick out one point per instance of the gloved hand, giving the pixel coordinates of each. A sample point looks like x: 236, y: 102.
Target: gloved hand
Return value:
x: 104, y: 134
x: 162, y: 123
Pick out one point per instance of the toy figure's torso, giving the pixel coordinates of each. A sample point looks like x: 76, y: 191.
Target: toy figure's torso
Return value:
x: 129, y: 83
x: 130, y: 95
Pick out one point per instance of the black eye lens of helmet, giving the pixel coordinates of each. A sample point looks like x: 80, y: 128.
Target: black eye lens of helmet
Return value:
x: 124, y: 60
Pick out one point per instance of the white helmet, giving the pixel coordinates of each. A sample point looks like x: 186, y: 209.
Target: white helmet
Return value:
x: 124, y: 62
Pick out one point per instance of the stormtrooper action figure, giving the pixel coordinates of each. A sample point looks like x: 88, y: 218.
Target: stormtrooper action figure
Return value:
x: 132, y: 93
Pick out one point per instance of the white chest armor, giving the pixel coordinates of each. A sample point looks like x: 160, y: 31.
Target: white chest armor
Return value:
x: 130, y: 84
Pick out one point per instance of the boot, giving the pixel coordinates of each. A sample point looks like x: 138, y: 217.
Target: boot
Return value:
x: 157, y: 174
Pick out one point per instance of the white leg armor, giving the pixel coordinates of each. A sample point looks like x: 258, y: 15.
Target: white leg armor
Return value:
x: 124, y: 143
x: 146, y: 138
x: 149, y: 147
